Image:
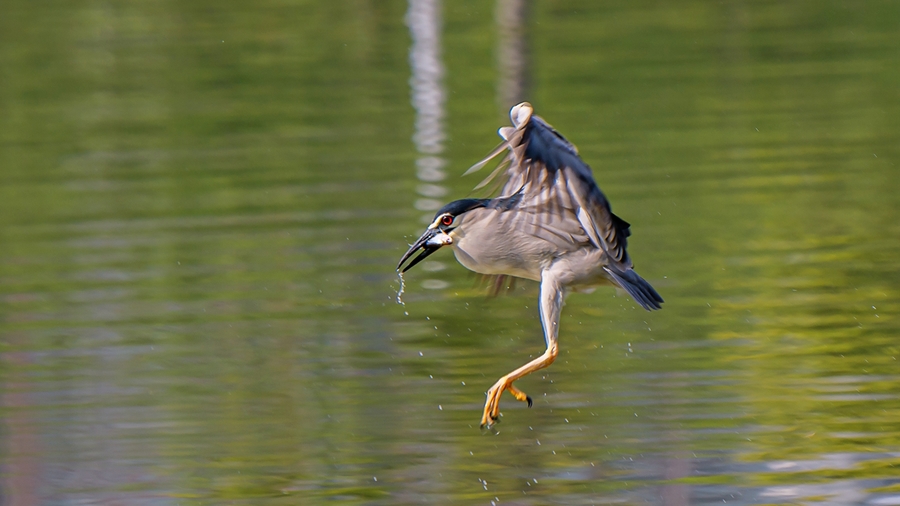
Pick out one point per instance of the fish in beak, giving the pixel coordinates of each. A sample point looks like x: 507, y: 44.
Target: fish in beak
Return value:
x: 432, y: 240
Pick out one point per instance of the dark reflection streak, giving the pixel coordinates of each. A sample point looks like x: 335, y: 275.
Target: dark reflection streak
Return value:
x: 21, y: 467
x: 513, y: 57
x: 674, y: 468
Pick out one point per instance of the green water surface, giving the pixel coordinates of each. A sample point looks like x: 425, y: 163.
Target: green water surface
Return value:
x: 202, y: 205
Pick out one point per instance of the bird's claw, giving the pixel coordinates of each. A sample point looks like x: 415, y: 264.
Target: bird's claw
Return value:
x: 492, y: 403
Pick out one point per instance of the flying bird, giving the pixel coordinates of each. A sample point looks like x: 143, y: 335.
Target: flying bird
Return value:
x: 550, y: 223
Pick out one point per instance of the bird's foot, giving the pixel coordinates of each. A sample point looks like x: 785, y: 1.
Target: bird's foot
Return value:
x: 492, y: 403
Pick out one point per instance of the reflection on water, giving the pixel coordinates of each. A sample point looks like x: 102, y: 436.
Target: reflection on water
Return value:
x: 202, y: 207
x: 512, y: 52
x: 428, y: 97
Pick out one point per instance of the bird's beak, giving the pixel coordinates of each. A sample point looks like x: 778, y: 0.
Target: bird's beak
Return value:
x: 432, y: 240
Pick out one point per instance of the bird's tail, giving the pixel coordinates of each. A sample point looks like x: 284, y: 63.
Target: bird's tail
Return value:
x: 639, y: 289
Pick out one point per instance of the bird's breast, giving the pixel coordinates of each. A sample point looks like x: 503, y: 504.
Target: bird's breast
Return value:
x: 490, y: 246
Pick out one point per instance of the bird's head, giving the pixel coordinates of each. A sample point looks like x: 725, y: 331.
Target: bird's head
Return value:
x: 437, y: 235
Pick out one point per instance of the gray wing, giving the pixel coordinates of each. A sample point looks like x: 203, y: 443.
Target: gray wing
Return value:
x: 558, y: 192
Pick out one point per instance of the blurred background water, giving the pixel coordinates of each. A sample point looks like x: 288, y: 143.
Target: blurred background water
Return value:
x: 202, y: 205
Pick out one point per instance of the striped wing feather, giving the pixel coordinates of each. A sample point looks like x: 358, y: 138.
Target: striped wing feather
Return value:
x: 559, y: 194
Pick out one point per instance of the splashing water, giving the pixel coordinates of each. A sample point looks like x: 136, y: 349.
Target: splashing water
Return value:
x: 400, y: 291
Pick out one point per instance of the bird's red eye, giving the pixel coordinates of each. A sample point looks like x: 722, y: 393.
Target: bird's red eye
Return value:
x: 447, y: 220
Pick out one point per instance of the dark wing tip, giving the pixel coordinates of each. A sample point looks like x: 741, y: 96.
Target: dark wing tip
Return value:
x: 639, y: 289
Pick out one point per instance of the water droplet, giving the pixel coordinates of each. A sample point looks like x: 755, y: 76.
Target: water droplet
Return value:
x: 400, y: 292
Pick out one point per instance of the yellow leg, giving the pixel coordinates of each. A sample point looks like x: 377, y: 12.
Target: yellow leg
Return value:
x: 492, y: 403
x: 552, y: 296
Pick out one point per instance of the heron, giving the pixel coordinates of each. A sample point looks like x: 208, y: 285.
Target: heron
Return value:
x: 549, y: 223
